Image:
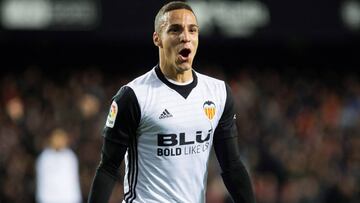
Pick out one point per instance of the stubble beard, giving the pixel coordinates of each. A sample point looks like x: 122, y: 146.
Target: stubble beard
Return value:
x: 181, y: 68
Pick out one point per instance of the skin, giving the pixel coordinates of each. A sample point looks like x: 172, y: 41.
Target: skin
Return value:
x: 58, y: 139
x: 179, y: 30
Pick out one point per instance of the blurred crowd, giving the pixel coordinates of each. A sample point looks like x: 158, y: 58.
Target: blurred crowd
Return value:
x: 299, y: 135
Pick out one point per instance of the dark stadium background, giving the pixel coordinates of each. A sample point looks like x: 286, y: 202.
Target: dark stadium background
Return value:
x: 295, y: 77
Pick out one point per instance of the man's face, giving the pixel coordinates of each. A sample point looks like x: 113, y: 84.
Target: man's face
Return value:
x: 179, y: 37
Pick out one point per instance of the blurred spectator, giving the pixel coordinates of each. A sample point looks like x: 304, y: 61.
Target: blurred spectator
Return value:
x: 57, y: 172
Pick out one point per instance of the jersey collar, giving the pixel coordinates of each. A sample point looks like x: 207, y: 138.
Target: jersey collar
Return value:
x: 183, y: 90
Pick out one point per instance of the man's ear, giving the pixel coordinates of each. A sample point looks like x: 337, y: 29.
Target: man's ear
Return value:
x: 157, y: 40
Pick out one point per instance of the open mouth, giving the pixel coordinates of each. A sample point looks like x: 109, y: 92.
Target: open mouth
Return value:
x: 185, y: 52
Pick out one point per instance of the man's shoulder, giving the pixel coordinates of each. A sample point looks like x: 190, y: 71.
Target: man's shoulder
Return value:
x: 144, y: 79
x: 140, y: 84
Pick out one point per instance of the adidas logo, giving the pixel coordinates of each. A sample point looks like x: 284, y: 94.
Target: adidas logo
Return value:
x: 165, y: 114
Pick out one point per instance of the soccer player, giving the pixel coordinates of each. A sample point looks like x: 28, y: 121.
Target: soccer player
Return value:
x: 165, y: 122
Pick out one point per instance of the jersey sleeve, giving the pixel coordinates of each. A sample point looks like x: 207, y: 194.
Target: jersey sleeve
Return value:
x: 234, y: 173
x: 226, y: 127
x: 123, y: 118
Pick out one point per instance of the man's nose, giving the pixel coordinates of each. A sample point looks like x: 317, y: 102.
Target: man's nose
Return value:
x: 185, y: 36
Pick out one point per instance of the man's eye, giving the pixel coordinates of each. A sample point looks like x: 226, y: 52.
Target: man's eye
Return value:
x: 173, y: 30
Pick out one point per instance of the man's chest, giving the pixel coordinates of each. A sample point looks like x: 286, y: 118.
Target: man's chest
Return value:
x: 168, y: 112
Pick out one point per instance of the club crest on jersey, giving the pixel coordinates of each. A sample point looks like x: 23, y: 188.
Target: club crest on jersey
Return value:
x: 110, y: 122
x: 209, y: 109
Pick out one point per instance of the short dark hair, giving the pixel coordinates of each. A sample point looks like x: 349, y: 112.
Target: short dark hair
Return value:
x: 174, y: 5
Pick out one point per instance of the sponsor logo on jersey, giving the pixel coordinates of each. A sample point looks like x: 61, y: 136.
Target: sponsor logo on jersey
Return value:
x: 209, y: 109
x: 182, y: 144
x: 110, y: 122
x: 165, y: 114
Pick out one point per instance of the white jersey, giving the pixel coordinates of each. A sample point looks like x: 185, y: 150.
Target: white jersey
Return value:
x: 168, y: 154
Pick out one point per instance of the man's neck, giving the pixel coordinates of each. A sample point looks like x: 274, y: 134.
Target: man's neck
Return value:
x: 175, y: 75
